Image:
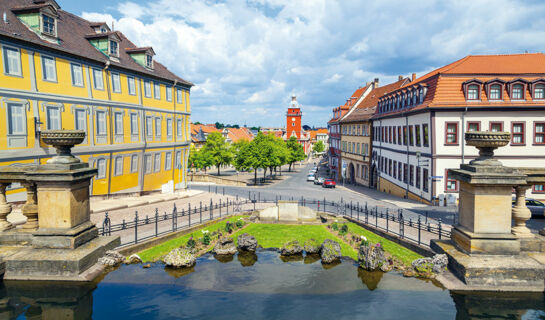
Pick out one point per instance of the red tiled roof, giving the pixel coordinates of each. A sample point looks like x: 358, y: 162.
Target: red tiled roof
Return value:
x: 236, y: 135
x: 206, y: 128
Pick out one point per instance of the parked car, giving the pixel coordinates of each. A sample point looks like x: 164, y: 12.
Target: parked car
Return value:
x: 319, y: 180
x: 310, y: 177
x: 536, y: 207
x: 329, y: 183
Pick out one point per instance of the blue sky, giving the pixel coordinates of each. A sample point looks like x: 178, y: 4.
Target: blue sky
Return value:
x: 247, y: 58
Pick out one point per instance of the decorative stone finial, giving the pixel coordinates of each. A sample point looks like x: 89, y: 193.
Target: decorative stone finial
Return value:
x: 487, y: 142
x: 63, y: 141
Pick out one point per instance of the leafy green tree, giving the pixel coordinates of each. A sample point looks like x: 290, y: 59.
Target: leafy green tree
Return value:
x: 247, y: 157
x: 218, y: 150
x: 318, y: 147
x: 199, y: 159
x: 219, y: 125
x: 296, y: 151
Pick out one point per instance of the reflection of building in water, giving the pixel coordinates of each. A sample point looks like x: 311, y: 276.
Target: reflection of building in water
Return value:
x: 498, y: 305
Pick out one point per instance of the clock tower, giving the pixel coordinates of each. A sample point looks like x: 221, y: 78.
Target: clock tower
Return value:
x: 293, y: 119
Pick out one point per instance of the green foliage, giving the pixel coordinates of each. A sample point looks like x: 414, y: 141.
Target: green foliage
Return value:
x: 217, y: 150
x: 228, y: 227
x: 199, y: 159
x: 190, y: 243
x: 206, y: 238
x: 335, y: 226
x: 318, y: 147
x: 239, y: 223
x: 296, y: 151
x: 344, y: 230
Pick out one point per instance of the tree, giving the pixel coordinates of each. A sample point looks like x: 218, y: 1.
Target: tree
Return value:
x: 318, y: 147
x: 218, y: 150
x: 247, y: 157
x: 219, y: 125
x: 199, y: 159
x: 296, y: 151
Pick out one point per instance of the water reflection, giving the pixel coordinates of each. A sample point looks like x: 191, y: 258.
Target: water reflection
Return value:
x: 483, y: 305
x: 224, y: 258
x: 370, y: 279
x: 247, y: 259
x: 292, y: 258
x: 311, y: 258
x: 179, y: 272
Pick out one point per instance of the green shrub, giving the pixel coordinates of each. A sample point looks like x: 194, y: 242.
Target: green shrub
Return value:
x: 206, y: 239
x: 239, y: 223
x: 229, y: 227
x: 335, y: 226
x: 191, y: 243
x: 344, y: 229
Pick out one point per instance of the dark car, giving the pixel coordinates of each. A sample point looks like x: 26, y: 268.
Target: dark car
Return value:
x: 536, y: 207
x: 329, y: 183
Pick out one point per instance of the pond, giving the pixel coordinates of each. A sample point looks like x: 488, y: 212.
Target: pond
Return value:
x: 262, y: 286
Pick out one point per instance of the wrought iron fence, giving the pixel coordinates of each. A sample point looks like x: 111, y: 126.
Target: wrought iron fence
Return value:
x: 419, y: 230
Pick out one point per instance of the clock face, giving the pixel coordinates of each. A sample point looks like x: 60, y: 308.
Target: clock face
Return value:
x: 292, y: 119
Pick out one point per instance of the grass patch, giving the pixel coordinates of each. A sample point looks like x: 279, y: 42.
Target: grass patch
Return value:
x: 276, y: 235
x: 405, y: 255
x: 155, y: 253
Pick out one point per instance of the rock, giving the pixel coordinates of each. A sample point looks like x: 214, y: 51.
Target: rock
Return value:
x: 180, y: 258
x: 330, y: 251
x: 371, y: 257
x: 111, y: 258
x: 225, y: 246
x: 437, y: 264
x: 291, y: 248
x: 133, y: 259
x: 246, y: 242
x: 311, y: 246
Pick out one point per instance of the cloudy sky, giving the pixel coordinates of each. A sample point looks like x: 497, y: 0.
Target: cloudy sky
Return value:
x: 246, y: 58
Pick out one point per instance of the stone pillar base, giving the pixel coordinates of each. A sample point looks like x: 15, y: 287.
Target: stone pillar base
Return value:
x: 69, y: 238
x: 517, y: 273
x: 485, y: 243
x: 78, y: 264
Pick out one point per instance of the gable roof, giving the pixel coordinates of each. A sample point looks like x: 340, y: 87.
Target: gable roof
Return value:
x: 72, y: 31
x: 238, y: 134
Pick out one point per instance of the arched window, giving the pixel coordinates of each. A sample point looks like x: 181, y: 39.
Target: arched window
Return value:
x: 414, y: 97
x: 421, y: 94
x: 539, y: 91
x: 495, y: 92
x: 473, y: 92
x: 402, y: 100
x: 518, y: 92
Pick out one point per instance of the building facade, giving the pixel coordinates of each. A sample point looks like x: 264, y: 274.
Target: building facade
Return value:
x: 63, y: 72
x: 419, y: 128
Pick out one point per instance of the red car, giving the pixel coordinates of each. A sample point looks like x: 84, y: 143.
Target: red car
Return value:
x: 329, y: 183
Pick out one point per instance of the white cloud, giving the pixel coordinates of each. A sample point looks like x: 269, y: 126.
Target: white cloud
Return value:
x: 254, y: 54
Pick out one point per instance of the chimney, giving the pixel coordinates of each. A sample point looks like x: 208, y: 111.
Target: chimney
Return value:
x: 375, y: 83
x: 413, y: 77
x: 399, y: 78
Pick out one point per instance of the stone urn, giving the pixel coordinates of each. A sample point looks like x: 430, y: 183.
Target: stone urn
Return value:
x: 487, y: 142
x: 63, y: 141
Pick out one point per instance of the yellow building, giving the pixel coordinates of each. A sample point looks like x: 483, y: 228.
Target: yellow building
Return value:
x: 60, y: 71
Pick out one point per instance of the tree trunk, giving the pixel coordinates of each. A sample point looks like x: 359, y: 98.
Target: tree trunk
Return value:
x: 255, y: 176
x: 218, y: 170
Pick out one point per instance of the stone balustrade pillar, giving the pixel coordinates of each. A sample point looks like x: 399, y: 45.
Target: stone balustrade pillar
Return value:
x: 30, y: 208
x: 521, y: 213
x: 5, y: 209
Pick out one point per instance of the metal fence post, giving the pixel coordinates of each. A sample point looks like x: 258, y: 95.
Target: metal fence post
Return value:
x: 386, y: 219
x: 156, y: 222
x: 419, y: 225
x: 427, y: 212
x: 440, y: 228
x: 401, y: 225
x: 324, y: 204
x: 258, y: 196
x: 189, y: 214
x: 358, y: 211
x: 200, y: 211
x: 211, y: 210
x: 366, y: 214
x: 220, y: 208
x: 351, y: 214
x: 376, y: 217
x: 136, y: 227
x: 106, y: 225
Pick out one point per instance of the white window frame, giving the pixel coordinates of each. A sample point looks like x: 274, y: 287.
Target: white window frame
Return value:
x: 101, y: 167
x: 149, y: 61
x: 179, y: 96
x: 149, y: 126
x: 97, y: 74
x: 49, y: 123
x: 118, y: 166
x: 147, y: 88
x: 131, y: 83
x: 110, y: 48
x: 116, y: 81
x: 157, y: 162
x: 9, y: 64
x: 148, y: 166
x: 46, y: 76
x: 168, y: 161
x: 134, y: 163
x: 76, y: 120
x: 521, y: 97
x: 169, y: 127
x: 42, y: 25
x: 158, y: 127
x: 118, y: 123
x: 157, y: 90
x: 169, y: 93
x: 99, y: 132
x: 178, y: 159
x: 74, y: 69
x: 14, y: 130
x: 179, y: 126
x: 134, y: 123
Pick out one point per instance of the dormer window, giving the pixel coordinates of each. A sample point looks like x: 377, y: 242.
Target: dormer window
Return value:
x: 495, y: 92
x: 114, y: 48
x: 539, y: 91
x: 48, y: 25
x: 149, y: 61
x: 517, y: 92
x: 473, y: 92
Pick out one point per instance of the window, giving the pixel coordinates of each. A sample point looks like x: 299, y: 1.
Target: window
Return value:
x: 80, y: 120
x: 169, y: 93
x: 405, y: 173
x: 451, y: 133
x: 134, y: 123
x: 147, y: 163
x: 473, y: 126
x: 169, y: 127
x: 147, y: 89
x: 426, y: 135
x: 132, y: 86
x: 390, y: 167
x: 418, y: 175
x: 179, y: 128
x: 450, y: 184
x: 118, y: 123
x: 399, y: 139
x: 495, y: 92
x: 539, y: 133
x: 411, y: 175
x: 77, y: 74
x: 16, y: 119
x: 518, y: 92
x: 134, y: 163
x: 12, y: 61
x: 156, y: 91
x: 417, y: 132
x: 149, y: 61
x: 116, y: 83
x: 539, y: 91
x: 53, y: 118
x: 178, y: 160
x: 425, y: 179
x: 48, y: 25
x: 473, y: 92
x: 114, y: 50
x: 168, y: 161
x: 49, y: 69
x: 157, y: 127
x: 101, y: 166
x: 404, y: 135
x: 394, y: 171
x: 538, y: 188
x: 517, y: 133
x: 101, y: 123
x: 149, y: 126
x: 411, y: 136
x: 157, y: 163
x: 98, y: 80
x: 496, y: 126
x: 118, y: 170
x: 179, y: 95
